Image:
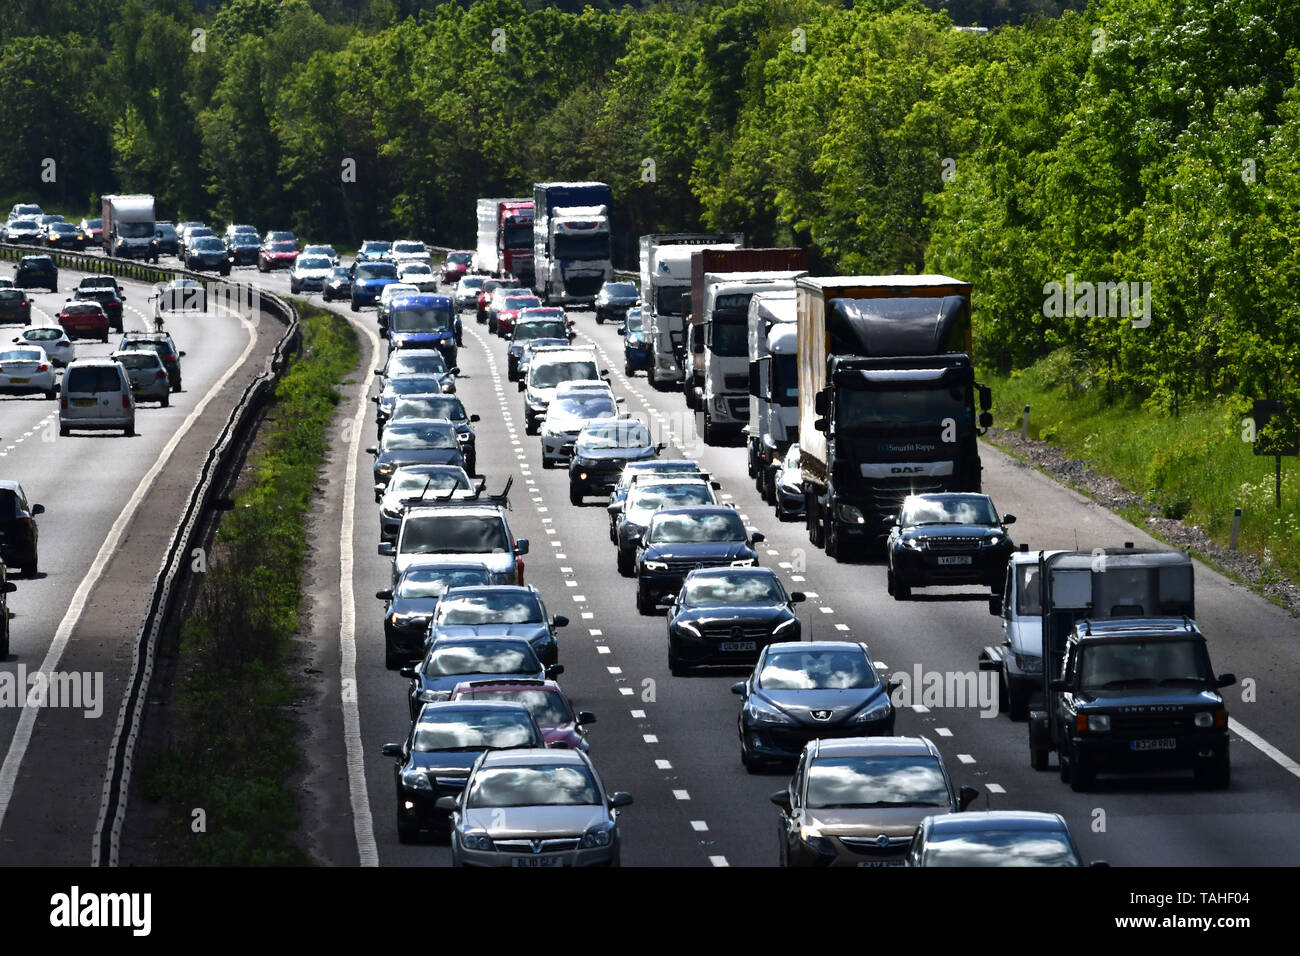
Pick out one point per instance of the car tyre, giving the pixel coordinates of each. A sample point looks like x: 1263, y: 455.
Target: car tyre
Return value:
x: 625, y: 566
x: 1038, y: 758
x: 64, y: 431
x: 129, y: 431
x: 675, y: 665
x: 1083, y: 776
x: 165, y: 401
x: 51, y: 393
x: 575, y: 495
x: 642, y: 602
x: 1217, y: 775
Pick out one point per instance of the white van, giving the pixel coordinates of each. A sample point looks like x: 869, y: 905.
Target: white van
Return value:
x: 96, y: 394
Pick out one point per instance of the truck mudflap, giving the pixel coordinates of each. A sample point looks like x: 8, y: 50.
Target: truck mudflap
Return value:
x: 1040, y: 744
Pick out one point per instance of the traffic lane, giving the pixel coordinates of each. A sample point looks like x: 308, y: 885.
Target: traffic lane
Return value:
x: 905, y: 633
x: 84, y: 479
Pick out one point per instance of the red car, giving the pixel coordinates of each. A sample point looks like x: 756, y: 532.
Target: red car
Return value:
x: 485, y: 295
x: 83, y: 319
x: 508, y: 311
x: 455, y: 266
x: 279, y: 251
x: 560, y: 725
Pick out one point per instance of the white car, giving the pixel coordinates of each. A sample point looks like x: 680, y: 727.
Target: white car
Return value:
x: 574, y: 405
x: 309, y: 273
x: 25, y: 369
x: 322, y: 250
x: 457, y: 533
x: 549, y: 368
x: 409, y: 250
x: 390, y: 292
x: 51, y: 339
x: 418, y: 274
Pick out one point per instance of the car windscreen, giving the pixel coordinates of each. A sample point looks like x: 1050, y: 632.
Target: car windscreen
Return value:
x: 539, y: 330
x: 817, y: 670
x: 733, y: 589
x: 139, y: 360
x: 454, y: 534
x: 621, y: 434
x: 546, y: 706
x: 401, y: 436
x: 550, y: 374
x: 486, y: 607
x: 957, y: 510
x: 460, y: 258
x: 376, y: 248
x: 646, y: 498
x: 92, y: 378
x: 1005, y: 847
x: 836, y: 783
x: 493, y: 656
x: 377, y: 270
x: 566, y: 785
x: 1161, y: 663
x: 599, y: 405
x: 473, y: 729
x: 404, y: 363
x: 429, y: 406
x: 208, y: 244
x: 682, y: 529
x: 411, y: 484
x: 620, y: 290
x: 314, y: 262
x: 409, y: 319
x: 433, y: 581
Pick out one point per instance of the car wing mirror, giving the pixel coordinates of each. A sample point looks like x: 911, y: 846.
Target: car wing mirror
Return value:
x: 797, y: 597
x: 782, y: 799
x: 1008, y: 519
x: 407, y: 671
x: 386, y: 549
x: 738, y: 688
x: 965, y: 796
x: 560, y: 621
x: 474, y: 418
x: 38, y: 509
x: 586, y: 717
x: 385, y: 595
x: 391, y: 750
x: 445, y: 803
x: 1225, y: 680
x: 620, y: 799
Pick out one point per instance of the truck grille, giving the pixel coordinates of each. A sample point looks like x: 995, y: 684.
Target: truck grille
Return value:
x: 887, y: 497
x: 735, y: 382
x: 1151, y: 725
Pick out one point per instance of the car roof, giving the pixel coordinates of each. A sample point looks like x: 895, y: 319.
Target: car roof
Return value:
x: 696, y: 510
x: 947, y: 496
x: 876, y: 746
x: 782, y: 647
x: 8, y: 484
x: 403, y: 424
x: 515, y: 683
x: 420, y: 299
x: 93, y: 360
x: 459, y: 508
x: 532, y: 756
x: 970, y: 821
x: 135, y: 352
x: 492, y: 589
x: 487, y: 706
x: 445, y: 566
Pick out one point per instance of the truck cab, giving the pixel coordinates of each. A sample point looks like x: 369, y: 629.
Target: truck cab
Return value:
x: 572, y: 243
x: 1127, y: 684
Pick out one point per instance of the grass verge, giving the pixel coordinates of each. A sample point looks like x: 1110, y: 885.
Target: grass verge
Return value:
x: 1195, y: 467
x: 230, y: 743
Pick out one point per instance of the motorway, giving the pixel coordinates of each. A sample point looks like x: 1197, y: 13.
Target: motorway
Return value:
x: 672, y: 741
x: 111, y: 505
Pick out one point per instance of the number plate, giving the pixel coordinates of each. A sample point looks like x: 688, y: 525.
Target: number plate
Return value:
x: 19, y: 381
x: 83, y: 402
x: 738, y: 646
x: 1163, y: 743
x: 954, y: 559
x: 882, y: 863
x: 537, y: 861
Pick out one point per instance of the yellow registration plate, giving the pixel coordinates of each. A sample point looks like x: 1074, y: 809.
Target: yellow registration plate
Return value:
x: 20, y: 381
x: 83, y: 402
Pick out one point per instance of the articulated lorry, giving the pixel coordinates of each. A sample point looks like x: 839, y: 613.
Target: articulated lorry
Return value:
x: 572, y: 243
x: 128, y: 227
x: 505, y: 238
x: 722, y: 283
x: 665, y: 279
x: 886, y: 400
x: 773, y: 385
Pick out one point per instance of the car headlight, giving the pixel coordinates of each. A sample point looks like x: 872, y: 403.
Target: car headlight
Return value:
x: 1029, y: 663
x: 416, y: 780
x: 463, y: 436
x: 743, y: 563
x: 477, y: 841
x: 792, y: 622
x: 655, y: 565
x: 992, y: 541
x: 384, y: 468
x: 1099, y: 723
x: 690, y: 629
x: 599, y: 835
x: 812, y: 838
x: 876, y: 710
x: 852, y: 514
x: 433, y: 696
x: 410, y: 620
x: 764, y: 715
x: 1204, y: 719
x: 913, y: 543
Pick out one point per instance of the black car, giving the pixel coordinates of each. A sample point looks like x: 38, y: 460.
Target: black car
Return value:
x: 168, y: 239
x: 680, y: 540
x: 614, y: 299
x: 64, y: 235
x: 947, y: 538
x: 207, y: 253
x: 472, y: 658
x: 411, y: 604
x: 600, y: 452
x: 108, y: 297
x: 1137, y: 695
x: 37, y: 271
x: 338, y: 285
x: 438, y: 405
x: 242, y: 248
x: 445, y: 740
x: 162, y: 343
x: 805, y: 691
x: 182, y: 295
x: 662, y: 466
x: 528, y: 331
x: 994, y: 838
x: 15, y: 306
x: 414, y: 441
x: 19, y: 535
x: 727, y: 616
x: 499, y: 610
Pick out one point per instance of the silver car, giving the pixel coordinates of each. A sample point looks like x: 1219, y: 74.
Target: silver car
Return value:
x: 95, y: 394
x: 147, y: 375
x: 535, y: 808
x: 458, y: 532
x: 25, y: 369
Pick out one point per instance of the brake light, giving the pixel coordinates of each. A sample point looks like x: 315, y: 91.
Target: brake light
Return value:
x: 43, y: 367
x: 160, y: 375
x: 126, y: 400
x: 63, y: 401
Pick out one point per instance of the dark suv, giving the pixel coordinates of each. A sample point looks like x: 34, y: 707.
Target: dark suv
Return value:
x: 1138, y: 694
x: 678, y: 540
x: 18, y: 531
x: 947, y: 538
x: 36, y: 271
x: 160, y: 342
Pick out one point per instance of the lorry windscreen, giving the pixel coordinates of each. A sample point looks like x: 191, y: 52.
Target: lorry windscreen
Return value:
x: 135, y: 230
x: 668, y: 299
x: 730, y: 336
x: 573, y: 247
x: 518, y: 237
x: 785, y: 380
x: 894, y: 406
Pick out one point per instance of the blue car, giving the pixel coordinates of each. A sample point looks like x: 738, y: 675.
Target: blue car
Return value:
x: 637, y: 356
x: 423, y: 321
x: 368, y: 281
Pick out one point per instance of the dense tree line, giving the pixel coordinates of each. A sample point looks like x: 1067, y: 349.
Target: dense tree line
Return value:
x: 1138, y: 141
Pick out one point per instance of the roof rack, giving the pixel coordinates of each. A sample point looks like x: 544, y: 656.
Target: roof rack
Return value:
x: 501, y: 499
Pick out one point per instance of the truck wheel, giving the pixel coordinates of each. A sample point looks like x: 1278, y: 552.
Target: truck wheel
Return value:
x: 710, y: 434
x: 752, y: 466
x: 813, y: 521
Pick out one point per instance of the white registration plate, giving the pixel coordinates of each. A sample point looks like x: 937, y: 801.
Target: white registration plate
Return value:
x: 1163, y: 743
x: 954, y: 559
x: 537, y: 861
x: 882, y: 862
x: 738, y: 646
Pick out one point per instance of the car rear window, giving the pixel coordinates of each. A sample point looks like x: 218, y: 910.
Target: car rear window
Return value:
x: 9, y: 505
x: 138, y: 359
x: 93, y: 378
x: 13, y: 295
